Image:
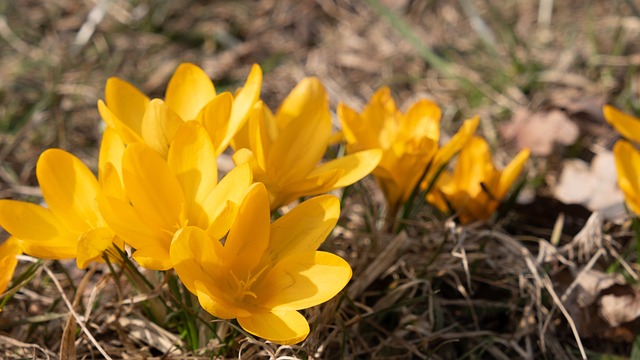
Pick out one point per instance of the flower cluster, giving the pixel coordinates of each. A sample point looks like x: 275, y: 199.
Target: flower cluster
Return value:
x: 158, y: 192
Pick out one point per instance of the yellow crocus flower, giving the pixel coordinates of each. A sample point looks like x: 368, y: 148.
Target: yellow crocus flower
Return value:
x: 8, y: 261
x: 627, y: 159
x: 265, y: 271
x: 190, y: 95
x: 476, y: 187
x: 627, y: 125
x: 164, y: 196
x: 72, y: 225
x: 409, y: 142
x: 284, y: 149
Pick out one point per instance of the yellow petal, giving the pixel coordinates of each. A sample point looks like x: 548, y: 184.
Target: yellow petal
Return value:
x: 308, y: 98
x: 127, y: 103
x: 153, y: 189
x: 299, y: 146
x: 92, y: 244
x: 69, y: 189
x: 40, y: 232
x: 303, y: 280
x: 355, y: 166
x: 193, y: 161
x: 159, y: 126
x: 126, y: 223
x: 242, y: 105
x: 470, y: 167
x: 249, y: 235
x: 211, y: 298
x: 284, y: 327
x: 232, y: 187
x: 627, y: 160
x: 215, y: 119
x: 454, y: 145
x: 422, y: 120
x: 511, y: 172
x: 129, y: 136
x: 626, y: 125
x: 305, y: 227
x: 246, y: 156
x: 8, y: 261
x: 189, y: 90
x: 312, y: 185
x: 195, y: 256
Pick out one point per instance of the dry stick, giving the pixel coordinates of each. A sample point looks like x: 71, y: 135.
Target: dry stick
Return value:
x: 67, y: 344
x: 74, y: 313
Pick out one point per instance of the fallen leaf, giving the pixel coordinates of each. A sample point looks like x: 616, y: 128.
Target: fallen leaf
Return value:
x: 540, y: 131
x: 592, y: 185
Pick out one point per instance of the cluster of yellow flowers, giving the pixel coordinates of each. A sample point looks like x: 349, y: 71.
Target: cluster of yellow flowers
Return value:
x: 158, y: 192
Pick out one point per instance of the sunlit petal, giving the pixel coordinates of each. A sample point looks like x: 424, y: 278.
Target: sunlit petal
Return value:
x: 42, y: 234
x: 92, y: 244
x: 189, y: 90
x: 280, y: 326
x: 70, y: 190
x: 248, y: 237
x: 159, y: 126
x: 627, y: 160
x: 215, y: 119
x: 153, y: 189
x: 627, y: 125
x: 303, y: 280
x: 8, y: 261
x: 193, y: 161
x: 129, y: 136
x: 305, y: 227
x: 511, y: 172
x: 127, y: 103
x: 355, y: 166
x: 195, y: 256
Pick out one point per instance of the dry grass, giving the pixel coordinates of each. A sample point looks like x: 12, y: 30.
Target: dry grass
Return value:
x: 437, y: 290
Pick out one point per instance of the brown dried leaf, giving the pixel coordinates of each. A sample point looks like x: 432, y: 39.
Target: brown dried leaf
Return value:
x: 540, y: 131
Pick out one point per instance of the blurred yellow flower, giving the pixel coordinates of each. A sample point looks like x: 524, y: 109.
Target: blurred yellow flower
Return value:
x: 284, y: 149
x: 627, y: 159
x: 476, y: 187
x: 265, y: 271
x: 8, y: 261
x: 190, y: 95
x: 627, y: 125
x: 71, y: 226
x: 409, y: 141
x: 163, y: 196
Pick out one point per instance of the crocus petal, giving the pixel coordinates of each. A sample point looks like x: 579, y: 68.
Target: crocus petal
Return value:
x: 246, y: 156
x: 232, y: 188
x: 69, y: 189
x: 195, y: 256
x: 242, y: 105
x: 8, y: 261
x: 511, y: 172
x: 40, y: 232
x: 92, y: 244
x: 248, y: 237
x: 454, y: 145
x: 284, y: 327
x: 159, y: 126
x: 355, y: 166
x: 215, y: 119
x: 193, y: 161
x: 627, y: 160
x: 626, y: 125
x: 305, y: 128
x: 127, y: 103
x: 189, y: 90
x: 129, y: 136
x: 303, y: 280
x: 471, y: 165
x: 312, y: 185
x: 152, y: 187
x: 422, y: 120
x: 126, y: 223
x: 211, y: 299
x: 305, y: 227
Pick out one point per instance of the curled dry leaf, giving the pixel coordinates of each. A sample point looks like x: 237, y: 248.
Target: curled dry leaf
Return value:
x: 540, y: 131
x: 592, y: 185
